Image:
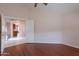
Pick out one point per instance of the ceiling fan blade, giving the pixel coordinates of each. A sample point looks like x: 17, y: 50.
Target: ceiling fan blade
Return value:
x: 35, y: 5
x: 45, y: 3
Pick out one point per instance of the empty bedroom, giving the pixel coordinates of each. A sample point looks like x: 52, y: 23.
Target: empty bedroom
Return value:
x: 39, y: 29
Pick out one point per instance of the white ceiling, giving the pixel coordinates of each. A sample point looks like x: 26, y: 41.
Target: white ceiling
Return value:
x: 53, y: 7
x: 56, y: 7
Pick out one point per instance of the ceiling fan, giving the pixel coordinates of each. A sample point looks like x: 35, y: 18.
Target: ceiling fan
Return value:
x: 35, y: 5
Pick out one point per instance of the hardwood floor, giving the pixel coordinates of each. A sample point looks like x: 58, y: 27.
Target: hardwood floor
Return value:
x: 40, y: 49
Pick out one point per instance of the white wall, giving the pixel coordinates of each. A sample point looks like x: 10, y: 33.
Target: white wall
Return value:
x: 55, y: 23
x: 47, y: 25
x: 71, y: 28
x: 14, y: 10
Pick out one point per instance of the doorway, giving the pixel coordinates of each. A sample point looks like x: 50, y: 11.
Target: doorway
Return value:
x: 15, y: 29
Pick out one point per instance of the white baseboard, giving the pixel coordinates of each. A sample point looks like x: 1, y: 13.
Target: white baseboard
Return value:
x: 46, y: 42
x: 71, y: 45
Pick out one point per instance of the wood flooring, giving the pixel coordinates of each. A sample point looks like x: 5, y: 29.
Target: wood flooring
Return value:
x: 41, y: 49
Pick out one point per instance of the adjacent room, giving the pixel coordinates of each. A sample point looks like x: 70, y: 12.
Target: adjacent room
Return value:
x: 39, y: 29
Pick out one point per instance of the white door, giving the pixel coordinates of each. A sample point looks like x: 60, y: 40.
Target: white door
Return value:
x: 30, y: 31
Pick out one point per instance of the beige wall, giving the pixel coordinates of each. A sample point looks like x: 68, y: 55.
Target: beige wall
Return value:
x: 71, y: 28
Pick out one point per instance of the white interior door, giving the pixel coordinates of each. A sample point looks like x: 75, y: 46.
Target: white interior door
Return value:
x: 30, y: 31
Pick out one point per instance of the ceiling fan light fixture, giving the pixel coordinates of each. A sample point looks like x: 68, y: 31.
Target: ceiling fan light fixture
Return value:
x: 45, y: 3
x: 35, y: 5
